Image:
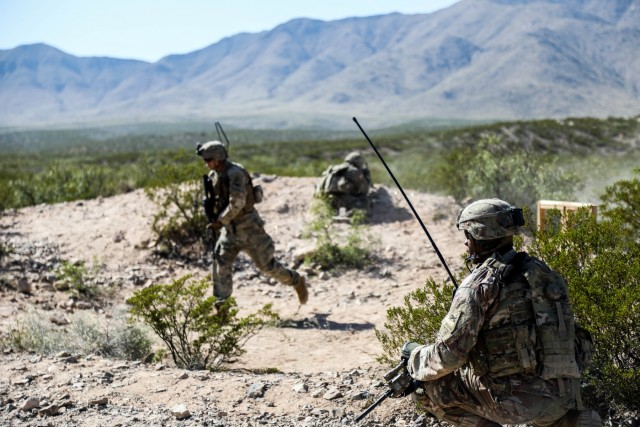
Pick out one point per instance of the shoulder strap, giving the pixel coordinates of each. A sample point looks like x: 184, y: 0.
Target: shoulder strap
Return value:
x: 506, y: 271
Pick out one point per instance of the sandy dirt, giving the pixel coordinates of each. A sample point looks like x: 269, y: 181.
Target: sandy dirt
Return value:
x: 336, y: 351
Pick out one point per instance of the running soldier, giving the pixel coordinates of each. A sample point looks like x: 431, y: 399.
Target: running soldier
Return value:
x: 239, y: 225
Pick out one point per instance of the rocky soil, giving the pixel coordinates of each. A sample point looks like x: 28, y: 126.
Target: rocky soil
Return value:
x: 321, y: 371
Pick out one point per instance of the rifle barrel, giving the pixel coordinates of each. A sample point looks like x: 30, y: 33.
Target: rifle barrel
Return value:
x: 374, y: 404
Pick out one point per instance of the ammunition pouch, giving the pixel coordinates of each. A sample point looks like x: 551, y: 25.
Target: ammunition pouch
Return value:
x: 258, y: 195
x: 583, y: 347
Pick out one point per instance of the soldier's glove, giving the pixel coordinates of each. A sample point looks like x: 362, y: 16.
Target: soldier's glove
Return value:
x: 407, y: 349
x: 215, y: 225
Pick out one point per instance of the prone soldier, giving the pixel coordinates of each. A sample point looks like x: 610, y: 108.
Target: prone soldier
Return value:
x: 347, y: 185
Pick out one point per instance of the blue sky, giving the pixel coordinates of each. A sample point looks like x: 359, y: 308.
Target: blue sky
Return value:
x: 151, y: 29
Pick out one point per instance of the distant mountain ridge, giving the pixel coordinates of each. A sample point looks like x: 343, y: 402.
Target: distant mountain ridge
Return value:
x: 478, y: 59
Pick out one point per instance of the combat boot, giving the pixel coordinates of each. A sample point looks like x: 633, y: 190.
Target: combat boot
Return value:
x: 301, y: 290
x: 589, y: 418
x: 579, y: 418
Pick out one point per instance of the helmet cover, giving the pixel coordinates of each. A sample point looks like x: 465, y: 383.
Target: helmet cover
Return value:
x: 212, y: 150
x: 356, y: 159
x: 490, y: 219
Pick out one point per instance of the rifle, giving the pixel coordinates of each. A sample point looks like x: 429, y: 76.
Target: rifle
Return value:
x: 209, y: 205
x: 400, y: 384
x: 424, y: 228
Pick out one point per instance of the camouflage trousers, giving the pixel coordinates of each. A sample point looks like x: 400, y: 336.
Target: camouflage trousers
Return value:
x: 464, y: 399
x: 247, y: 235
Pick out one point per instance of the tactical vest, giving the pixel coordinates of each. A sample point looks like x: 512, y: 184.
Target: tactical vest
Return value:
x: 530, y: 328
x: 253, y: 193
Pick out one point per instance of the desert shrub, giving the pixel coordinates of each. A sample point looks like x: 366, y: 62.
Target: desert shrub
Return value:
x: 87, y: 333
x: 494, y: 168
x: 198, y: 334
x: 622, y: 200
x: 417, y: 320
x: 602, y: 269
x: 179, y: 223
x: 332, y: 250
x: 61, y: 182
x: 77, y: 277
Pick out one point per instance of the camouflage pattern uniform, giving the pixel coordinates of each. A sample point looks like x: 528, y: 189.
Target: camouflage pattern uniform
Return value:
x: 243, y: 231
x: 347, y: 184
x: 504, y: 353
x: 241, y: 227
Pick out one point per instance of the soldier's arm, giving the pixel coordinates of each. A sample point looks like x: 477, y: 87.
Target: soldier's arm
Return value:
x: 458, y: 332
x: 237, y: 195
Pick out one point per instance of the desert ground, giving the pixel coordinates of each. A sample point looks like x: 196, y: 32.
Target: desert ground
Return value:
x: 322, y: 371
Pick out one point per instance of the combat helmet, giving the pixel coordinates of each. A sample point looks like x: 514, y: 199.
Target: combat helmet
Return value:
x: 356, y: 159
x: 212, y: 150
x: 490, y: 219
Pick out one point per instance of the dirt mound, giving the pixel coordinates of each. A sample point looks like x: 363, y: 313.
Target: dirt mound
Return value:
x: 325, y: 358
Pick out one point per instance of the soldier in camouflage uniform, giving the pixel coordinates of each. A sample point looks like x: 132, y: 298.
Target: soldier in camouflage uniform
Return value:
x: 347, y: 184
x: 505, y: 352
x: 241, y: 227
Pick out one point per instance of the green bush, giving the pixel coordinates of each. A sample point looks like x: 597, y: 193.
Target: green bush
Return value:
x: 199, y: 335
x: 418, y: 320
x: 494, y: 168
x: 179, y: 224
x: 328, y: 253
x: 87, y: 333
x: 622, y: 200
x: 76, y: 277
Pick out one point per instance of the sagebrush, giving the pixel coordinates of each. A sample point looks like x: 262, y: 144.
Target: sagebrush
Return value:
x: 335, y: 247
x: 87, y: 333
x: 199, y: 331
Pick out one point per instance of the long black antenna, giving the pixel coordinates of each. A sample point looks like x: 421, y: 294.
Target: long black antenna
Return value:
x: 444, y: 264
x: 222, y: 134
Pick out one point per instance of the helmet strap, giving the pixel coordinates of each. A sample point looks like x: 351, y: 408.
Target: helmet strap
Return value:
x: 484, y: 248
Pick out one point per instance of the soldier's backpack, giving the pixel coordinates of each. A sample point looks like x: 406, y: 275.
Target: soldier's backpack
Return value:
x: 329, y: 183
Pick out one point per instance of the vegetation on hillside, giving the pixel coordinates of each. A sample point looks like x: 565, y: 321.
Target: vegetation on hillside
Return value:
x: 63, y: 165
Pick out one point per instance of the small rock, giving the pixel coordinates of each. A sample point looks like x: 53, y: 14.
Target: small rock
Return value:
x: 58, y: 319
x: 256, y: 390
x: 100, y: 401
x: 318, y: 392
x: 24, y: 285
x: 359, y: 395
x: 300, y: 388
x: 84, y: 305
x: 332, y: 394
x: 180, y: 412
x: 49, y: 410
x: 30, y: 403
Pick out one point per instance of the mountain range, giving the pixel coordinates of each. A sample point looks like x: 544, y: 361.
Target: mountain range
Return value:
x: 477, y: 59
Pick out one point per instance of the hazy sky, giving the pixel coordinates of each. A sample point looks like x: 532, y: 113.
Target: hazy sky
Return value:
x: 151, y: 29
